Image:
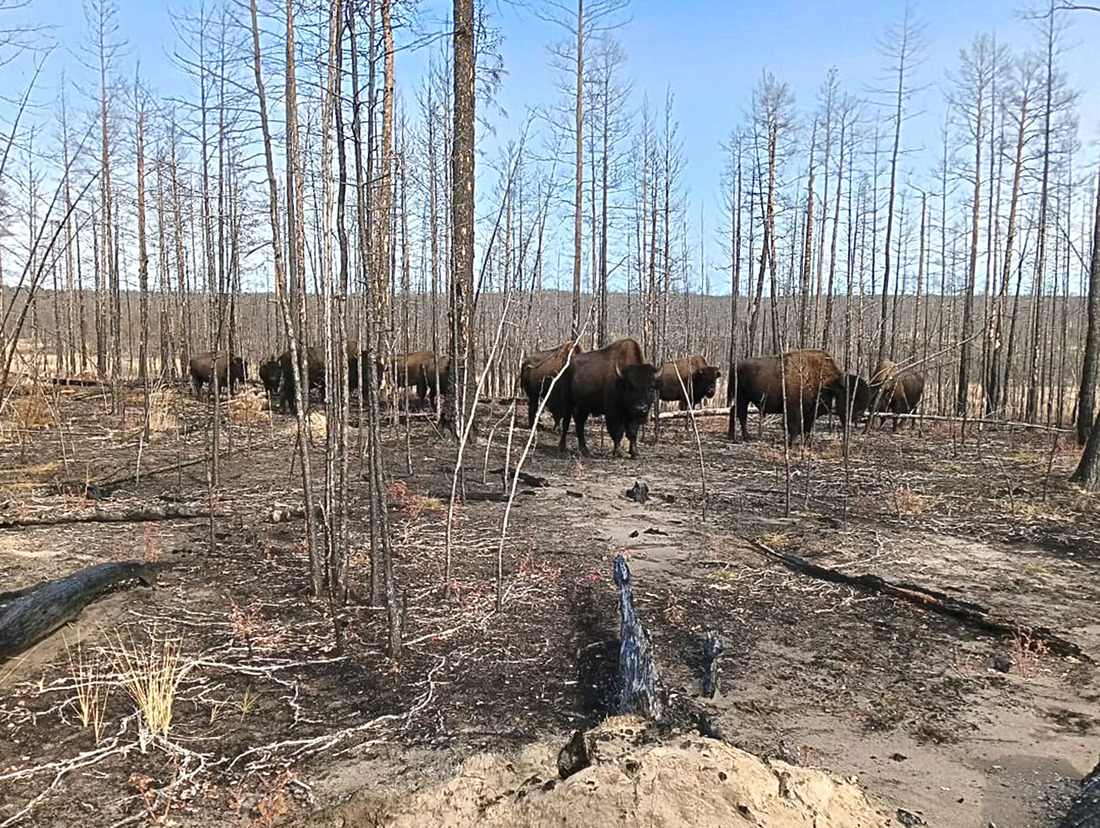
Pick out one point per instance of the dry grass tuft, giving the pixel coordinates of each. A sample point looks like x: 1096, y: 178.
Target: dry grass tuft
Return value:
x: 402, y: 498
x: 1027, y: 650
x: 249, y: 406
x: 32, y: 411
x: 164, y: 407
x: 164, y: 402
x: 318, y: 425
x: 779, y: 541
x: 908, y: 503
x: 92, y: 691
x: 151, y: 674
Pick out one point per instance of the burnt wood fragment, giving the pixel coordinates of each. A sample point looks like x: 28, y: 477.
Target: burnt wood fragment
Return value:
x: 638, y: 680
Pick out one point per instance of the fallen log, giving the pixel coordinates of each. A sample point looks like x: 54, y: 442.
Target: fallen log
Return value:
x: 112, y: 484
x: 979, y: 421
x: 99, y: 489
x: 701, y: 412
x: 78, y: 381
x: 140, y: 514
x: 932, y: 600
x: 39, y: 611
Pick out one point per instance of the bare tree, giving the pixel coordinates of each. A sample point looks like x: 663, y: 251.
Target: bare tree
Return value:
x: 902, y: 46
x: 973, y: 88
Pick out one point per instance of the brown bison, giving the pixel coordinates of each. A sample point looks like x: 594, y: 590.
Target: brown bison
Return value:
x: 419, y: 370
x: 536, y: 373
x: 351, y: 352
x: 202, y: 368
x: 896, y: 390
x: 315, y: 359
x: 437, y: 373
x: 614, y: 381
x: 699, y: 379
x: 271, y: 374
x: 852, y: 397
x: 797, y: 382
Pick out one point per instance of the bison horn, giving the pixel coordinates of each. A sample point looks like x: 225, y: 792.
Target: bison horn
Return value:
x: 618, y: 370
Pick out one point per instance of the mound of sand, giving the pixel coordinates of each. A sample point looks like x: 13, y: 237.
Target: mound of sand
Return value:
x: 681, y: 780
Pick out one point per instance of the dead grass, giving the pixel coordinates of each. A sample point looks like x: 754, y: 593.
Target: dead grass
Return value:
x: 779, y: 541
x: 248, y: 407
x: 31, y: 411
x: 151, y: 673
x: 165, y: 402
x: 908, y: 503
x: 318, y: 425
x: 92, y: 690
x: 1027, y: 651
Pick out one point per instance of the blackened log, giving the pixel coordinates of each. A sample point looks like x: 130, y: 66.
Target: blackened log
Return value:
x: 37, y: 612
x: 712, y: 648
x: 637, y: 671
x: 1085, y: 810
x: 933, y: 600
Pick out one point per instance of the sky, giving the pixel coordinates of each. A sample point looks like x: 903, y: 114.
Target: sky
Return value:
x: 709, y: 53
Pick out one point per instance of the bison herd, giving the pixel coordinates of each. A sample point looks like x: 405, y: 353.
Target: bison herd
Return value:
x: 617, y: 383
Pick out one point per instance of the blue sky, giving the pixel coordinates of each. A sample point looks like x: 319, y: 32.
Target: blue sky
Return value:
x: 710, y: 53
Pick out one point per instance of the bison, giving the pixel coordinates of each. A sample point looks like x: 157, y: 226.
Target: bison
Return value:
x: 419, y: 370
x: 851, y: 399
x: 536, y: 373
x: 202, y: 368
x: 271, y: 375
x: 614, y: 381
x: 691, y: 374
x: 436, y: 377
x: 796, y: 383
x: 315, y: 359
x: 897, y: 391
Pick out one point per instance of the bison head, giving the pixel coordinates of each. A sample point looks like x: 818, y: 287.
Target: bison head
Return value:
x: 636, y: 386
x: 850, y: 393
x: 271, y: 374
x: 236, y: 370
x: 706, y: 382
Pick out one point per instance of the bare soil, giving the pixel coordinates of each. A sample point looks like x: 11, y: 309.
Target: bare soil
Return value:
x: 273, y: 724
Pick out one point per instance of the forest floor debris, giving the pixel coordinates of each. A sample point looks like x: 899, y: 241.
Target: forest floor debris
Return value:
x: 269, y: 719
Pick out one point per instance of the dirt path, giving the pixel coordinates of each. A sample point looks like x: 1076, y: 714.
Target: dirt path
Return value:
x: 930, y: 715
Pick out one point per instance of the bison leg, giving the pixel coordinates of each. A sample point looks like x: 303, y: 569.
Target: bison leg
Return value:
x: 564, y: 432
x: 809, y: 416
x: 616, y: 430
x: 743, y: 417
x: 741, y: 411
x: 632, y: 436
x: 579, y: 417
x: 532, y: 410
x: 287, y: 395
x: 800, y: 421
